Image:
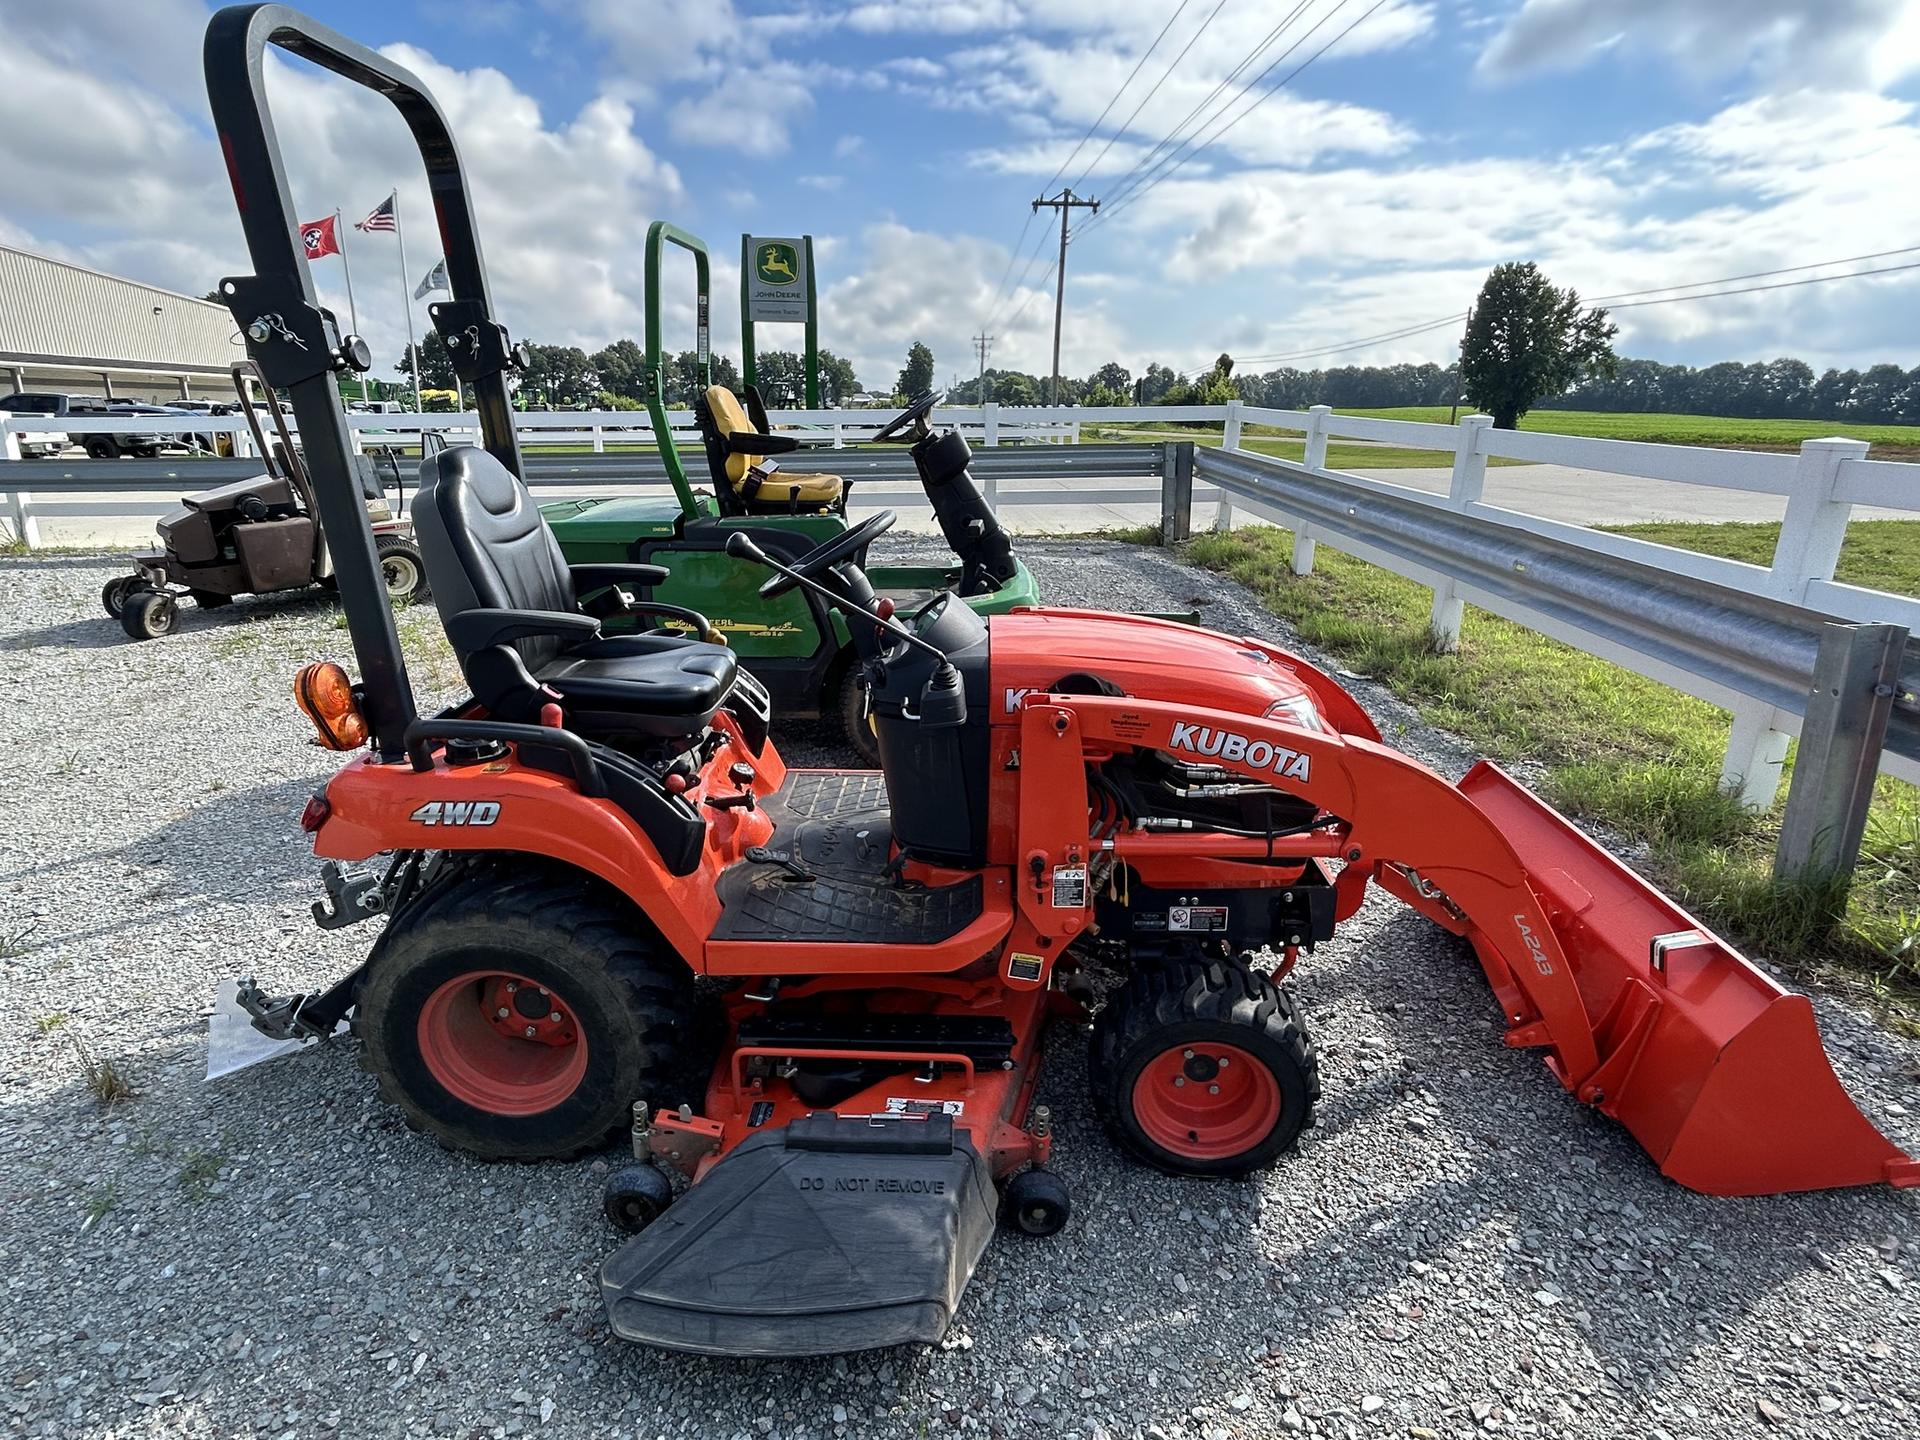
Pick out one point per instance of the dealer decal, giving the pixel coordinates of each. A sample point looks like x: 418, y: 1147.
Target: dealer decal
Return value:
x: 1254, y: 754
x: 457, y: 812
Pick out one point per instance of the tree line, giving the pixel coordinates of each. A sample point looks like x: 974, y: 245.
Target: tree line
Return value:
x: 614, y: 377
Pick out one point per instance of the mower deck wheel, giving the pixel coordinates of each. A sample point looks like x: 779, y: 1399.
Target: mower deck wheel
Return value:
x: 402, y: 568
x: 147, y: 614
x: 636, y: 1195
x: 510, y: 1007
x: 113, y: 595
x: 1203, y: 1069
x: 1035, y: 1203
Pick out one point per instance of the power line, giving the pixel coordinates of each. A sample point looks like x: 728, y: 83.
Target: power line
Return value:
x: 1014, y: 253
x: 1123, y: 90
x: 1408, y: 332
x: 1252, y: 55
x: 1173, y: 162
x: 1173, y: 65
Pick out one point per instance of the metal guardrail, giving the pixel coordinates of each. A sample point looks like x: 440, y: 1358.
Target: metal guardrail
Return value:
x: 1036, y: 462
x: 1854, y: 686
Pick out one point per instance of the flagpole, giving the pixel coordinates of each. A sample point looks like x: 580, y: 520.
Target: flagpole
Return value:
x: 340, y: 238
x: 406, y: 297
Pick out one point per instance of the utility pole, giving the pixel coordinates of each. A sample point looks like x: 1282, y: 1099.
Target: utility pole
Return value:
x: 1064, y: 202
x: 982, y: 344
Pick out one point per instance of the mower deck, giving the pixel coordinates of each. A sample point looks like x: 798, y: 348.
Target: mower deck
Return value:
x: 826, y: 875
x: 827, y: 1235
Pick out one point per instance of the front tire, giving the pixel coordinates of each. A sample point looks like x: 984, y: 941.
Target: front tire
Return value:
x: 147, y: 614
x: 402, y: 568
x: 850, y: 704
x: 1203, y: 1069
x: 597, y: 1014
x: 113, y: 595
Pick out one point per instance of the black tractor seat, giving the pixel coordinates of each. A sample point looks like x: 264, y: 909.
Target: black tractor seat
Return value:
x: 510, y: 604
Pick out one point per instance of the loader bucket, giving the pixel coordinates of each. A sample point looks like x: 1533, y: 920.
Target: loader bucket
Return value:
x: 1718, y: 1071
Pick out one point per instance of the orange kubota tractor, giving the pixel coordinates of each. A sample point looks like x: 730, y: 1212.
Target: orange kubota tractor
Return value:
x: 605, y: 824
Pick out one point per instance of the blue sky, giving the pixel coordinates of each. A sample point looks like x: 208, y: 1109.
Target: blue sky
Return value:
x: 1622, y: 143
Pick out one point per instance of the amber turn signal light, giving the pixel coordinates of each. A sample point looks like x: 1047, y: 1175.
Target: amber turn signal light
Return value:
x: 325, y: 696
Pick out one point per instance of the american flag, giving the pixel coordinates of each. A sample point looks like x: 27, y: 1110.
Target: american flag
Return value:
x: 380, y: 219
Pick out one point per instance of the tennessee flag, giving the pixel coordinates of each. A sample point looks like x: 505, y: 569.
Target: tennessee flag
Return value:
x: 318, y: 238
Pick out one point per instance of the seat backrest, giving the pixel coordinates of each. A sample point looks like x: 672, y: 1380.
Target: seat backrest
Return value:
x: 486, y: 545
x: 729, y: 415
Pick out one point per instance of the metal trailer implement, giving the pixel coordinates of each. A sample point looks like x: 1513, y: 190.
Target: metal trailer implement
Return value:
x: 1061, y: 793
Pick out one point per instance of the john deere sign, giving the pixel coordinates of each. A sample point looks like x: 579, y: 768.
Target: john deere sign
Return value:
x: 777, y: 280
x: 776, y: 286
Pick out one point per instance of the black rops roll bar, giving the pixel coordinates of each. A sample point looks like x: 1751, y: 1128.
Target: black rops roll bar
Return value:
x: 298, y: 344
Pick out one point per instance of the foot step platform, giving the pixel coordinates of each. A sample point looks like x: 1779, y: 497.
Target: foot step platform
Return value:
x: 834, y: 1233
x: 833, y: 835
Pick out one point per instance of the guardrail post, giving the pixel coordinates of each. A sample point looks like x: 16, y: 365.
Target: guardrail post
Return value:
x: 1176, y: 491
x: 1808, y: 549
x: 990, y: 423
x: 839, y: 433
x: 1229, y: 440
x: 26, y: 526
x: 599, y: 438
x: 1315, y: 458
x: 1468, y: 480
x: 1849, y: 702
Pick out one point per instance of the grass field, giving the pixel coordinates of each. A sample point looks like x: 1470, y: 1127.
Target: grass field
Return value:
x: 1618, y: 749
x: 1715, y: 430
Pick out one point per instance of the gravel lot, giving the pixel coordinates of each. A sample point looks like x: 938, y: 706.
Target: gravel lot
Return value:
x: 1457, y: 1248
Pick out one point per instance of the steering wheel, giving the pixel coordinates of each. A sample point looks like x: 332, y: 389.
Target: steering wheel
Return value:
x: 824, y: 557
x: 916, y: 413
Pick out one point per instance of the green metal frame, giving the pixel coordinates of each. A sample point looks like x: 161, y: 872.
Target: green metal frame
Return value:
x: 659, y: 235
x: 749, y: 362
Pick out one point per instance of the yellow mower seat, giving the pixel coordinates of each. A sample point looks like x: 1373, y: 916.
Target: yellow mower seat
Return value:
x: 784, y: 490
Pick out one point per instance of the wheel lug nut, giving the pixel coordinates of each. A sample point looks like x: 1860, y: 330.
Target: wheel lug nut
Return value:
x: 1186, y: 1055
x: 503, y: 1012
x: 1224, y: 1062
x: 555, y: 1017
x: 529, y: 1032
x: 543, y: 989
x: 1213, y: 1089
x: 1178, y: 1081
x: 512, y: 985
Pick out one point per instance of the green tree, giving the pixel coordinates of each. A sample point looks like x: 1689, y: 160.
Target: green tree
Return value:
x: 622, y: 367
x: 782, y: 378
x: 1528, y: 341
x: 917, y: 378
x: 1010, y: 387
x: 1114, y: 377
x: 838, y: 383
x: 684, y: 380
x: 1098, y: 394
x: 1155, y: 384
x: 436, y: 365
x: 558, y: 374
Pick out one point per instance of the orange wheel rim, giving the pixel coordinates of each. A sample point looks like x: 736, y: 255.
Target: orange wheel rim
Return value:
x: 502, y: 1043
x: 1202, y: 1101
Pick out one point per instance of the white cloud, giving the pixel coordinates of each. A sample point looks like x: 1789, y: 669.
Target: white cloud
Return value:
x: 1792, y: 42
x: 753, y: 115
x: 139, y: 188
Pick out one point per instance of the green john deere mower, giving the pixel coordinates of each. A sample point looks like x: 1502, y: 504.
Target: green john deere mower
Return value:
x: 794, y: 644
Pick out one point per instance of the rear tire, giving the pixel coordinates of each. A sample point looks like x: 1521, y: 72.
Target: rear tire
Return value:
x: 402, y: 568
x: 147, y: 614
x: 499, y: 935
x: 99, y: 447
x: 1163, y: 1074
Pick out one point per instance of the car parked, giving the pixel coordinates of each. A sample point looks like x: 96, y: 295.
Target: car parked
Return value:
x: 100, y: 444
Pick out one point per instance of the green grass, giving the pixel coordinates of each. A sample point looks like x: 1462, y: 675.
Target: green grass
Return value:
x: 1612, y: 747
x: 1717, y: 430
x: 1880, y: 554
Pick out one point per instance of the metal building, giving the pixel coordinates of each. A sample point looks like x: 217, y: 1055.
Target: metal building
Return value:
x: 65, y: 327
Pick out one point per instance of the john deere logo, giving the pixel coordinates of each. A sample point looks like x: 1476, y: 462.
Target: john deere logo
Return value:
x: 778, y: 264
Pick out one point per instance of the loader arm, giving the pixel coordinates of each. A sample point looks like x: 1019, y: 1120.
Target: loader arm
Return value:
x: 1716, y: 1070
